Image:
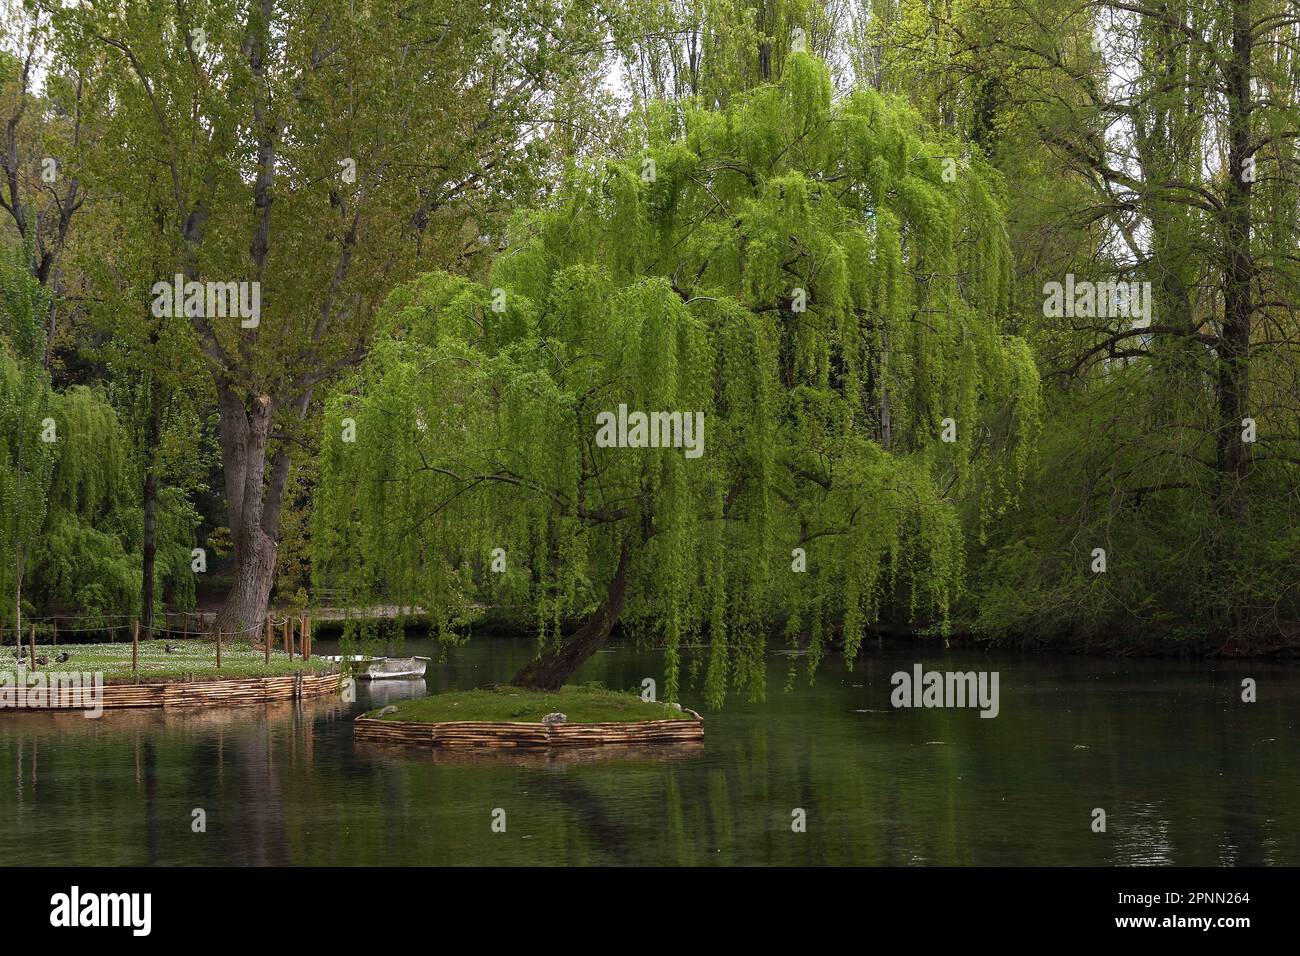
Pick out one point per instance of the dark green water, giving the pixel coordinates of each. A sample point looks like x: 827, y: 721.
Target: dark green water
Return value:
x: 1186, y: 772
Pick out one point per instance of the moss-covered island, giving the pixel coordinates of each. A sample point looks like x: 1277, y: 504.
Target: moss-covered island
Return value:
x: 587, y: 704
x: 513, y: 718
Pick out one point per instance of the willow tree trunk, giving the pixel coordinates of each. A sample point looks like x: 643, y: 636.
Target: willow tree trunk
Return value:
x: 254, y: 506
x: 557, y: 663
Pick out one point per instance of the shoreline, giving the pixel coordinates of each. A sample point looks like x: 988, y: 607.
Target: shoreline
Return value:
x: 200, y: 693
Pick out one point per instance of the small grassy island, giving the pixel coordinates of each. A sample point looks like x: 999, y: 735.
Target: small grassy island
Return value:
x: 507, y: 716
x: 587, y: 704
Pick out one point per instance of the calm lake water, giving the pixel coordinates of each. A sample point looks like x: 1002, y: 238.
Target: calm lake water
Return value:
x: 1186, y: 772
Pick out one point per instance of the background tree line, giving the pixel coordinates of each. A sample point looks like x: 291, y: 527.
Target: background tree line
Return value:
x: 380, y: 170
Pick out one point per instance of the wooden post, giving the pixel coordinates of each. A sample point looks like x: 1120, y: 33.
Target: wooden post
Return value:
x: 218, y: 648
x: 31, y: 645
x: 306, y: 637
x: 135, y: 646
x: 284, y: 634
x: 288, y: 629
x: 267, y: 639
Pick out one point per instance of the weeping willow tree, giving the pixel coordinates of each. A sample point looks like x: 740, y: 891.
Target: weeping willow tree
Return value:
x: 805, y: 299
x: 70, y: 525
x: 24, y: 401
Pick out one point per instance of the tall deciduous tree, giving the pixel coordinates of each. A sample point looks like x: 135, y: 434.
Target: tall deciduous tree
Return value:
x: 1170, y: 130
x: 46, y: 135
x: 315, y: 154
x: 50, y: 126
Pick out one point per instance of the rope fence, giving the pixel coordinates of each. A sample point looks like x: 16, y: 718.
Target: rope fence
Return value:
x: 52, y: 625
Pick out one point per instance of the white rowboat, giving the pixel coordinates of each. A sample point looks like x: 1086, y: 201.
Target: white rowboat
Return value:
x: 382, y: 668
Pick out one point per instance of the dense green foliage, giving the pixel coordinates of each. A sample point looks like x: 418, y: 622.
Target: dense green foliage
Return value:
x: 69, y: 483
x: 1148, y: 143
x: 826, y: 227
x: 682, y: 291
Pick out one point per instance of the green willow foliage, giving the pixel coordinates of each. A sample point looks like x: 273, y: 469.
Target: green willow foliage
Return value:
x: 24, y: 403
x: 72, y: 503
x: 676, y: 287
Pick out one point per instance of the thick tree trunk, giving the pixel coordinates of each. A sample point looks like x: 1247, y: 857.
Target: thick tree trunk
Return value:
x: 245, y: 607
x: 254, y: 510
x: 557, y: 663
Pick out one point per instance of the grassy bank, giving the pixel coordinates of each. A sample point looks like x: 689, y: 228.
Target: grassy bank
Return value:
x: 585, y: 704
x: 188, y: 660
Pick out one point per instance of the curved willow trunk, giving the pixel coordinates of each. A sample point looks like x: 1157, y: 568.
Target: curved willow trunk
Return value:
x: 557, y: 663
